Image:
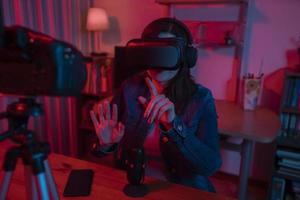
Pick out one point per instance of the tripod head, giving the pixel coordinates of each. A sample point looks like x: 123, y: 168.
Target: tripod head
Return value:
x: 33, y: 154
x: 17, y: 114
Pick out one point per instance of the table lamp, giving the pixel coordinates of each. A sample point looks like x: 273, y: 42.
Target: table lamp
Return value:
x: 97, y: 21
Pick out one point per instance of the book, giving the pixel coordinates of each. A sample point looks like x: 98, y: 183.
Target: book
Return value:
x: 291, y: 161
x: 278, y: 186
x: 288, y: 154
x: 86, y: 88
x: 288, y: 171
x: 289, y: 90
x: 295, y: 94
x: 284, y: 118
x: 290, y: 164
x: 292, y: 126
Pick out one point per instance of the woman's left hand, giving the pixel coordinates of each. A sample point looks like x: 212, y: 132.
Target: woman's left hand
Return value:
x: 159, y: 107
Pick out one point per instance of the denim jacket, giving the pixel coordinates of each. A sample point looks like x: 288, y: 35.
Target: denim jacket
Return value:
x: 191, y: 150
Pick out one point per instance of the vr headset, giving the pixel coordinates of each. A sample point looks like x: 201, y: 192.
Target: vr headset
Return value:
x: 152, y: 52
x: 156, y: 53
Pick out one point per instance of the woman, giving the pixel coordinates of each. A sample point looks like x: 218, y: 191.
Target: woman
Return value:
x: 169, y: 114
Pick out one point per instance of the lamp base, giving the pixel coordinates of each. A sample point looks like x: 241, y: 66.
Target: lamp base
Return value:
x: 135, y: 190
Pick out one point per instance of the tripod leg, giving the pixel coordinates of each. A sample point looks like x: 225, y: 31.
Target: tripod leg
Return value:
x: 50, y: 181
x: 41, y: 183
x: 9, y: 165
x: 33, y: 157
x: 5, y: 184
x: 30, y: 186
x: 36, y: 155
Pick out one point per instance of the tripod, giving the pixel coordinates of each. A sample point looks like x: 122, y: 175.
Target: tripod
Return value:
x: 39, y: 181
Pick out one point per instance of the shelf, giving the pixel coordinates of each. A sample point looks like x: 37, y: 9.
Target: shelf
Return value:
x: 295, y: 111
x: 289, y: 142
x: 200, y: 1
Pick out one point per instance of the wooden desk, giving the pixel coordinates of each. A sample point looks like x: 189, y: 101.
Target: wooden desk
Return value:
x: 260, y: 125
x: 108, y: 182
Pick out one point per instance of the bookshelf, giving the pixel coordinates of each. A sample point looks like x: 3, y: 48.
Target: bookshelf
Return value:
x: 285, y: 182
x: 99, y: 85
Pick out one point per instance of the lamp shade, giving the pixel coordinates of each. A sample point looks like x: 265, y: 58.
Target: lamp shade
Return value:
x: 97, y: 19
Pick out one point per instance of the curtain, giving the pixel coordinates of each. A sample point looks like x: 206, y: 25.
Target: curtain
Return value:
x: 63, y: 20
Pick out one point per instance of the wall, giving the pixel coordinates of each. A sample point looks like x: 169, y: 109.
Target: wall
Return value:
x: 273, y: 28
x: 128, y: 18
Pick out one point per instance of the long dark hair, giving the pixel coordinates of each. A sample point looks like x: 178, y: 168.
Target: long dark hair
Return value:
x: 181, y: 88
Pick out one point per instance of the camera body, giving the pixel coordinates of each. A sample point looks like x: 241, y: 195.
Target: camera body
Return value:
x: 32, y: 63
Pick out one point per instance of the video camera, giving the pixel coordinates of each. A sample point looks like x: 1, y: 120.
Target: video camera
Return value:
x: 32, y: 63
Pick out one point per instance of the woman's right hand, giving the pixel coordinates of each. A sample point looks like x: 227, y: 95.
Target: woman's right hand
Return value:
x: 107, y: 127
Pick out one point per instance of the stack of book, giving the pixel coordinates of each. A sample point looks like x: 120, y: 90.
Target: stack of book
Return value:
x: 296, y: 189
x: 99, y: 76
x: 293, y: 88
x: 290, y: 110
x: 288, y: 162
x: 93, y: 82
x: 290, y: 126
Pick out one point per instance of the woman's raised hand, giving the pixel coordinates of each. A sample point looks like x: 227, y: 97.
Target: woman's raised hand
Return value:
x: 107, y: 127
x: 159, y: 107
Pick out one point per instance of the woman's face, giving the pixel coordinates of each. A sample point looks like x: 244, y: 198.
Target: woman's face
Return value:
x: 162, y: 76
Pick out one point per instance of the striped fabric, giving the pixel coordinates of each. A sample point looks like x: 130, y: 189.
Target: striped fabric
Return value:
x: 64, y: 20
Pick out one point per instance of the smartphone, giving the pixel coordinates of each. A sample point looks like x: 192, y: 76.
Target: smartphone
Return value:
x: 79, y: 183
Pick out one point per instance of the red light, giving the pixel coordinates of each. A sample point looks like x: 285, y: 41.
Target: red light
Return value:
x: 20, y: 107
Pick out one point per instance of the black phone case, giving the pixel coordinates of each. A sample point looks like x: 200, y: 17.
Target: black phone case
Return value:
x: 79, y: 183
